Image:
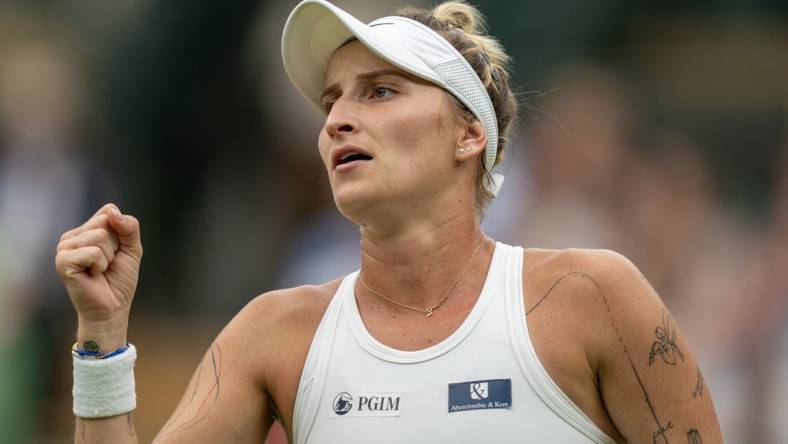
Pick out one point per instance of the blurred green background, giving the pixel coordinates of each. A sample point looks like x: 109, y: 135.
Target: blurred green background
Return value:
x: 657, y: 129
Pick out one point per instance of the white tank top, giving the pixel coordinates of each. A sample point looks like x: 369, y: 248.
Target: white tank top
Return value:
x: 482, y: 384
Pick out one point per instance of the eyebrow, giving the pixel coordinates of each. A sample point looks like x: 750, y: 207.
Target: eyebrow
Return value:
x: 333, y: 88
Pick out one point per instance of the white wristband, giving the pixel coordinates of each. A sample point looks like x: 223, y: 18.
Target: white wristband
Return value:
x: 104, y: 387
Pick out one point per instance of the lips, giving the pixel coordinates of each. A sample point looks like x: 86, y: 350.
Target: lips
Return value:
x: 347, y: 154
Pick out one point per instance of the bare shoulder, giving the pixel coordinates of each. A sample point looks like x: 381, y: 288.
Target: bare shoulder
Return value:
x: 275, y: 331
x: 249, y: 375
x: 281, y: 323
x: 599, y: 290
x: 289, y: 309
x: 597, y: 297
x: 600, y: 275
x: 613, y: 346
x: 599, y: 262
x: 567, y: 296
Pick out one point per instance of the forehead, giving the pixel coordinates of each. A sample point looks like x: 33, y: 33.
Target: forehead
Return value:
x: 354, y: 58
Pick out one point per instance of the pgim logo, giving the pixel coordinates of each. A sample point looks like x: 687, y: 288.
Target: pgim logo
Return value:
x: 343, y: 403
x: 350, y: 404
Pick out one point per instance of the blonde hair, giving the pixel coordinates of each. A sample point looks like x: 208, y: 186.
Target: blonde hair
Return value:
x: 464, y: 27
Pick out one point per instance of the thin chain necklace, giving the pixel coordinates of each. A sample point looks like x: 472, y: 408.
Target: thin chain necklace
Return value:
x: 428, y: 311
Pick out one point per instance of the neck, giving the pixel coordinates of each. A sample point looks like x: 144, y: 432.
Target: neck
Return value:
x: 418, y: 264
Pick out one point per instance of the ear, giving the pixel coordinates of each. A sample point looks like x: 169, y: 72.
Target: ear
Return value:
x: 471, y: 142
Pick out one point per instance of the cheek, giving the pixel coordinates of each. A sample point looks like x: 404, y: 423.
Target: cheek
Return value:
x: 421, y: 133
x: 323, y: 143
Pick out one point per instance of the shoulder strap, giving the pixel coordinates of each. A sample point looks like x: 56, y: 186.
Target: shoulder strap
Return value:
x: 537, y: 376
x: 310, y: 387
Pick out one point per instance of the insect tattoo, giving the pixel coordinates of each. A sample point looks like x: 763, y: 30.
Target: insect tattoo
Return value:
x: 693, y: 437
x: 665, y: 346
x: 698, y: 385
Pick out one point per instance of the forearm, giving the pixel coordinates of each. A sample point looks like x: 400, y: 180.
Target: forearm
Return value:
x: 107, y: 335
x: 99, y: 264
x: 113, y: 429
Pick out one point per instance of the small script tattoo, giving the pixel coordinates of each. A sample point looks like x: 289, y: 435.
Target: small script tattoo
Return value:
x: 665, y: 345
x: 660, y: 433
x: 661, y: 429
x: 698, y: 385
x: 210, y: 368
x: 693, y: 437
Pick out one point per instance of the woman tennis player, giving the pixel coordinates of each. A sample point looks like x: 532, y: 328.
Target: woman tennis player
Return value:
x: 443, y: 335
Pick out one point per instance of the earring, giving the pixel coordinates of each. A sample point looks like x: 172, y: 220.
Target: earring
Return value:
x: 462, y: 150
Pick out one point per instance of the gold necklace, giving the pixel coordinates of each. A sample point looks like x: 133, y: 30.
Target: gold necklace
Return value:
x: 428, y: 311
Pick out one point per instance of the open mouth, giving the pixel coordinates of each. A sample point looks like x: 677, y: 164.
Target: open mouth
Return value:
x: 352, y: 157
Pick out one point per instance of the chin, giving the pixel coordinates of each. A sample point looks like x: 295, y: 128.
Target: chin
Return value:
x: 360, y: 203
x: 352, y: 203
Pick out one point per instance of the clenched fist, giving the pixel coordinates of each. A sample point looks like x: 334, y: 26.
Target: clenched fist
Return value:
x: 99, y: 264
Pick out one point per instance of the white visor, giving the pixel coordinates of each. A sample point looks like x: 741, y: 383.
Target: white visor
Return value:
x: 317, y: 28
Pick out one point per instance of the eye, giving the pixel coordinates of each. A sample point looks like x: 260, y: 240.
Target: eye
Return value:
x: 380, y: 92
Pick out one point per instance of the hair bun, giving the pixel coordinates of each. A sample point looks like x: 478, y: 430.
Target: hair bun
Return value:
x: 460, y: 15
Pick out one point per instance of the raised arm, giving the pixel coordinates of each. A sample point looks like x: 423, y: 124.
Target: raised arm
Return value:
x: 99, y: 264
x: 650, y: 382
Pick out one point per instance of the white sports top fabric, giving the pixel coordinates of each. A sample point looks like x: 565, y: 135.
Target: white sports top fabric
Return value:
x: 483, y: 384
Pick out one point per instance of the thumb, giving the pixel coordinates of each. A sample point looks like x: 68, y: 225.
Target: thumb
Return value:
x: 127, y: 228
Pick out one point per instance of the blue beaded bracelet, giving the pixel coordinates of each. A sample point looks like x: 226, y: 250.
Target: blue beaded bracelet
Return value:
x: 91, y: 355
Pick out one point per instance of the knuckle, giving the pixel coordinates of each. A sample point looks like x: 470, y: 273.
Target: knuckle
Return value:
x: 102, y: 235
x: 62, y: 263
x: 66, y: 235
x: 59, y: 262
x: 95, y: 252
x: 65, y: 245
x: 134, y: 223
x: 99, y: 220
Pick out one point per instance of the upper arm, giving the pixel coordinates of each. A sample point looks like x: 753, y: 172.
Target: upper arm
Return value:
x: 226, y: 399
x: 649, y: 380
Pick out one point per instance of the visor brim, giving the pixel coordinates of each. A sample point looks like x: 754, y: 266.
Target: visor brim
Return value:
x: 316, y: 29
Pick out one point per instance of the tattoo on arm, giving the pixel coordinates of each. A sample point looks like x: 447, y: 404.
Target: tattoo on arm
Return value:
x: 211, y: 364
x: 660, y: 433
x: 90, y: 346
x: 698, y: 385
x: 555, y: 285
x: 662, y: 428
x: 130, y: 422
x: 665, y: 345
x: 693, y: 437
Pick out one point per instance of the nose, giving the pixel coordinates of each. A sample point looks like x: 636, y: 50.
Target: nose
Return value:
x: 341, y: 119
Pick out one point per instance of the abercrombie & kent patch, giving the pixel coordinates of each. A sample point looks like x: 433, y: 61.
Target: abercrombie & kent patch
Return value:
x: 476, y: 395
